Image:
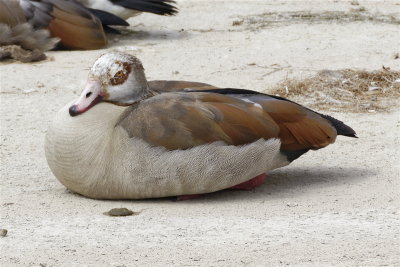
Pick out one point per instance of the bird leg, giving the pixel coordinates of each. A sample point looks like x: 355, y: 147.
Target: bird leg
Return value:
x: 248, y: 185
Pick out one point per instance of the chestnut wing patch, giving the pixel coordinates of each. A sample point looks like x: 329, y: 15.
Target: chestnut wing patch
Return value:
x: 300, y: 128
x: 185, y: 120
x: 76, y: 26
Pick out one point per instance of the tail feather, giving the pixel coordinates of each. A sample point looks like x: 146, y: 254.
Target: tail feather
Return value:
x: 159, y: 7
x: 107, y: 18
x: 341, y: 127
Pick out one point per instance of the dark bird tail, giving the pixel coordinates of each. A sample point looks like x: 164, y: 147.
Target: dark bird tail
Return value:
x: 159, y: 7
x: 341, y: 128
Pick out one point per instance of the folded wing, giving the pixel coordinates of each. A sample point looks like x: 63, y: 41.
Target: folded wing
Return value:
x: 182, y: 120
x: 74, y: 24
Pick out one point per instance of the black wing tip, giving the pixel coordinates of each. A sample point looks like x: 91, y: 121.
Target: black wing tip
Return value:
x: 351, y: 135
x: 341, y: 127
x: 108, y: 18
x: 158, y: 7
x: 168, y: 8
x: 111, y: 30
x: 228, y: 91
x: 293, y: 155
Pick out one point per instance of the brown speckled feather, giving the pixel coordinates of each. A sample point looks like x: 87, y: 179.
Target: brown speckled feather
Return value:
x: 184, y: 120
x: 297, y: 127
x: 11, y: 13
x: 300, y: 128
x: 17, y: 35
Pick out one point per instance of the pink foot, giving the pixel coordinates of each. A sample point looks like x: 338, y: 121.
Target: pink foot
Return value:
x: 250, y: 184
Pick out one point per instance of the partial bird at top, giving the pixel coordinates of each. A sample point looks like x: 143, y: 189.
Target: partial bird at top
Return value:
x: 79, y: 24
x: 129, y: 8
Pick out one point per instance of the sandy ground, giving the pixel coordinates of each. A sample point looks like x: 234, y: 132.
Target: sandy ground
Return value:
x: 336, y: 206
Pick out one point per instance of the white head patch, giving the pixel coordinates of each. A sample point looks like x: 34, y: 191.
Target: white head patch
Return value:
x: 121, y: 76
x: 111, y: 63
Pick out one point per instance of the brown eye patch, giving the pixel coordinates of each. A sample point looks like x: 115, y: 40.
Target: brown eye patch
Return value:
x: 121, y: 76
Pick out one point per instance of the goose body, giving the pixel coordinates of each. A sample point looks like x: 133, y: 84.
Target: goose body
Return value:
x: 126, y: 138
x: 75, y: 24
x: 92, y: 156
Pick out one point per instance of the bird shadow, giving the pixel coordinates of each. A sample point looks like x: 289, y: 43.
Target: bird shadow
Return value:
x: 279, y: 183
x: 295, y: 181
x: 125, y: 36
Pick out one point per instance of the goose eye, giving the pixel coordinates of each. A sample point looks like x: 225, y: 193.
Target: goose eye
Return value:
x: 119, y: 74
x: 118, y: 78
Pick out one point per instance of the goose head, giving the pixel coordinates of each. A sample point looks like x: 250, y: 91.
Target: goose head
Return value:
x: 115, y: 77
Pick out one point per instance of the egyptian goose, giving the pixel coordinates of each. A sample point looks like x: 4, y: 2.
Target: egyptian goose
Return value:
x: 126, y: 138
x: 81, y: 25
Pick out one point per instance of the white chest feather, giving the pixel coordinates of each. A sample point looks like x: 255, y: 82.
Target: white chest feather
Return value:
x: 91, y: 156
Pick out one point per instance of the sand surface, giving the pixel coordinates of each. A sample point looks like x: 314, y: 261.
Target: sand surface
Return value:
x: 336, y: 206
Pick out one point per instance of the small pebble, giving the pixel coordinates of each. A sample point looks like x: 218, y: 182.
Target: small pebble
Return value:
x: 237, y: 22
x: 28, y: 91
x: 120, y: 212
x: 3, y: 232
x: 39, y: 85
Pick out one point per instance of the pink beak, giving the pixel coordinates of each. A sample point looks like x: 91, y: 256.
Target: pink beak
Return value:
x: 90, y: 96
